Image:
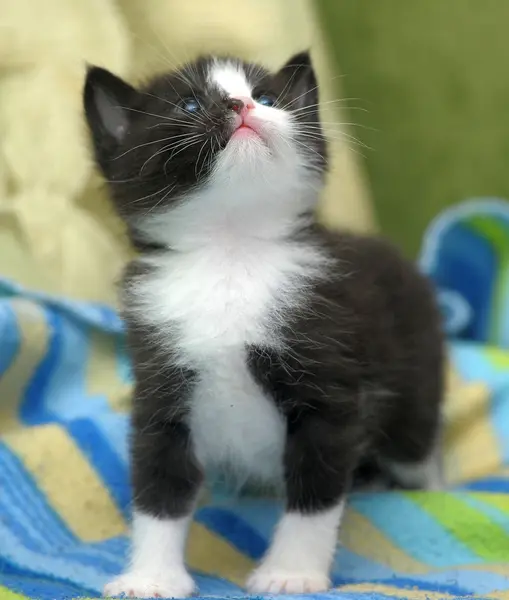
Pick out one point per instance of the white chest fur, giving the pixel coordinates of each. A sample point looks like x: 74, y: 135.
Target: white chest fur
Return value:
x: 233, y: 423
x: 225, y: 294
x: 210, y: 304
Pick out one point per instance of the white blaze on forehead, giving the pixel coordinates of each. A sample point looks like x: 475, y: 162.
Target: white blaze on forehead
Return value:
x: 230, y: 78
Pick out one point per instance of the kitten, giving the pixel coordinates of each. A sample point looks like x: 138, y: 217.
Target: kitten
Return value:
x: 261, y: 343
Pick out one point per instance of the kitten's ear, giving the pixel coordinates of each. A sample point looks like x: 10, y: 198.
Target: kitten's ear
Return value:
x: 299, y: 78
x: 107, y: 100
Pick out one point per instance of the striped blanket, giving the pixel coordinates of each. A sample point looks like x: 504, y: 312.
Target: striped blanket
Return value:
x: 65, y: 498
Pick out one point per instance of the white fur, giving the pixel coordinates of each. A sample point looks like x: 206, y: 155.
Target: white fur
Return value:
x: 210, y: 303
x: 232, y: 275
x: 157, y: 562
x: 301, y: 554
x: 258, y: 187
x: 227, y: 283
x: 229, y: 77
x: 426, y: 475
x: 234, y: 424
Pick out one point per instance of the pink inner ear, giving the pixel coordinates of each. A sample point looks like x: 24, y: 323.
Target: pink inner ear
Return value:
x: 113, y: 116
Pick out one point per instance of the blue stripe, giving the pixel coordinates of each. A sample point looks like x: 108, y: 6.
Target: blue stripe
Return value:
x: 474, y: 364
x: 65, y: 395
x: 87, y: 556
x: 262, y: 516
x: 478, y: 582
x: 106, y: 463
x: 46, y: 565
x: 16, y: 513
x: 495, y: 515
x: 35, y: 586
x: 466, y: 265
x: 413, y: 530
x: 31, y: 516
x: 9, y: 334
x: 24, y: 535
x: 32, y: 499
x: 84, y: 313
x: 116, y: 546
x: 33, y: 410
x: 123, y: 362
x: 500, y: 418
x: 116, y: 428
x: 229, y: 526
x: 491, y: 484
x: 218, y: 588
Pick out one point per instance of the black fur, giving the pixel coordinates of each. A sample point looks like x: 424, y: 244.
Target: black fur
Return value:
x: 136, y: 164
x: 165, y: 475
x: 361, y: 376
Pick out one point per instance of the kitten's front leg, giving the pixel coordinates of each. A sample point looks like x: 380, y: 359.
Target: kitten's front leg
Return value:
x: 319, y: 463
x: 166, y: 480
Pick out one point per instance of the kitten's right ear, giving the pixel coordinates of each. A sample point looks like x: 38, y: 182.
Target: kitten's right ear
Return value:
x: 107, y: 101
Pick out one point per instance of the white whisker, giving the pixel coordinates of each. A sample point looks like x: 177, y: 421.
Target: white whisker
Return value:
x: 169, y: 147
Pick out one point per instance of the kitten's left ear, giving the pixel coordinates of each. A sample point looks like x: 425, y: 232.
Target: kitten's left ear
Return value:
x: 299, y: 78
x: 107, y: 100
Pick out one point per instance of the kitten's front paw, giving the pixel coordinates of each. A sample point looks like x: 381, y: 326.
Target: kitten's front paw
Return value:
x: 280, y: 581
x: 177, y: 584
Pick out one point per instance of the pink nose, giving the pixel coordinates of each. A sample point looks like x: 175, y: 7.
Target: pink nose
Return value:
x: 241, y: 104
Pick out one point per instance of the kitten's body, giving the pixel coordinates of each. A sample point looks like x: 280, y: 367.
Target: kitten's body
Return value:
x: 261, y: 343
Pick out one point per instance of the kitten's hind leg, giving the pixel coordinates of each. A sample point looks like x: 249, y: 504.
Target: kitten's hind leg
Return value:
x: 409, y: 443
x: 410, y: 452
x: 426, y: 474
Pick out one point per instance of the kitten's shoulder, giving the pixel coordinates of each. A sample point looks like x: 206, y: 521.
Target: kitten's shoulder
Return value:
x: 347, y: 245
x: 367, y: 256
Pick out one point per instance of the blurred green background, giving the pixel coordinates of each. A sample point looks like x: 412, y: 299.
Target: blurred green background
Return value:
x: 433, y: 76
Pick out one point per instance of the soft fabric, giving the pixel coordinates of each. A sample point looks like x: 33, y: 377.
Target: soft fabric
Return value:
x: 466, y: 253
x: 57, y: 230
x: 65, y: 495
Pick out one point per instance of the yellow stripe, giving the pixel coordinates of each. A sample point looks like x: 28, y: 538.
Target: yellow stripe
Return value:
x: 359, y: 535
x: 502, y: 595
x: 469, y: 428
x: 33, y: 333
x: 212, y: 555
x: 102, y: 373
x: 69, y: 482
x: 496, y: 568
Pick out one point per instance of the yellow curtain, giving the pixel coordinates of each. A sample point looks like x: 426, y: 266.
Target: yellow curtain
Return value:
x: 57, y: 230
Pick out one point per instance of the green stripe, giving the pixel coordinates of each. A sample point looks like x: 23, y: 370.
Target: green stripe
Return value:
x: 498, y: 501
x: 497, y: 234
x: 470, y: 526
x: 6, y: 594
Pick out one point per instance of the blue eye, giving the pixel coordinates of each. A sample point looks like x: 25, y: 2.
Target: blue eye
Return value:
x: 191, y: 105
x: 266, y: 100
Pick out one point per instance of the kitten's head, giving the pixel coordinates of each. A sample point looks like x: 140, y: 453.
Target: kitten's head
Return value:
x: 216, y: 137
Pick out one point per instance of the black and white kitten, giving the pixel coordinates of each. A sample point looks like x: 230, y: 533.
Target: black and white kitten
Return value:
x: 261, y: 343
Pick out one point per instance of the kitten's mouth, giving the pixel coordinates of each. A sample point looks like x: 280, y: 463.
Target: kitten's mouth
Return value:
x: 245, y: 130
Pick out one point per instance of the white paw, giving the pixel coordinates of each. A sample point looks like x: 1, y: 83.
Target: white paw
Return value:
x: 138, y: 585
x: 279, y: 581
